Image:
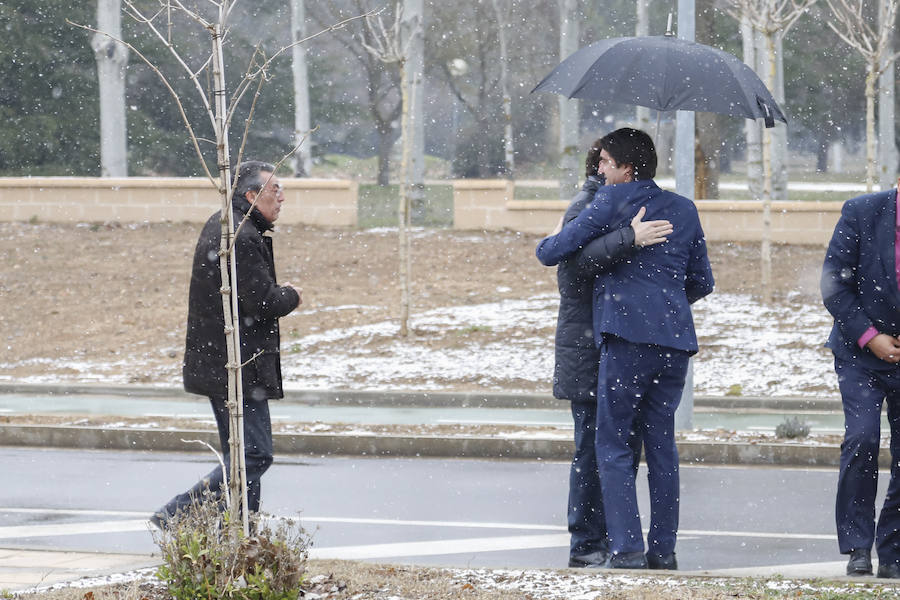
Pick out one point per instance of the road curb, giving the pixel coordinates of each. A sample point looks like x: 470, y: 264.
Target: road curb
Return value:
x: 377, y: 445
x: 413, y: 398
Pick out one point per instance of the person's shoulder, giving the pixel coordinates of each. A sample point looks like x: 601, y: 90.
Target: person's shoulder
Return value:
x: 870, y: 202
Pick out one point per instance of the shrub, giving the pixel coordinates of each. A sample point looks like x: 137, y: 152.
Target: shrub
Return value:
x: 793, y: 427
x: 206, y: 556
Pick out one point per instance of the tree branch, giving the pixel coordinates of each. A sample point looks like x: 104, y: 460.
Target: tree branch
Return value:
x: 155, y: 69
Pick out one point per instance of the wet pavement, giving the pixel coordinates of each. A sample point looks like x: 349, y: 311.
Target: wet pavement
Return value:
x: 738, y: 419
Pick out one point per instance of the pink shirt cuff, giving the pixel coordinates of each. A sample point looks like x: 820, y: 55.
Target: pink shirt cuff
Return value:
x: 867, y: 337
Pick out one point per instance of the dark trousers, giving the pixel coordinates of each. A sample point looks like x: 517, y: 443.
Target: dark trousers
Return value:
x: 587, y: 520
x: 257, y: 455
x: 639, y: 388
x: 862, y: 393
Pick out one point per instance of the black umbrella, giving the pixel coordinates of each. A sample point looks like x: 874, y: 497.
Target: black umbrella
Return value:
x: 666, y: 73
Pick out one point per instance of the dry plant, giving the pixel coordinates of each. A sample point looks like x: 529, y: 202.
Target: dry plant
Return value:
x: 205, y: 556
x: 772, y: 19
x: 219, y: 107
x: 388, y: 46
x: 874, y: 44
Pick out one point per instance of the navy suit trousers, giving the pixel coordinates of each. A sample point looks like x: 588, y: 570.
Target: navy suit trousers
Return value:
x: 586, y: 517
x: 862, y: 393
x: 639, y: 389
x: 257, y: 455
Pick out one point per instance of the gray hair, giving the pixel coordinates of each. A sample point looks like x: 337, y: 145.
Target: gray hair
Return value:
x: 249, y: 177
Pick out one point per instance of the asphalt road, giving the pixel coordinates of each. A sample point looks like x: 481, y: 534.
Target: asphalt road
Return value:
x: 445, y: 512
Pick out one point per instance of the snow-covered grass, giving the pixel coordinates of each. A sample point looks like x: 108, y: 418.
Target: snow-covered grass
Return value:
x: 746, y: 348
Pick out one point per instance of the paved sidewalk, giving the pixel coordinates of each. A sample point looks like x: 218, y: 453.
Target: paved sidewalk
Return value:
x: 26, y: 569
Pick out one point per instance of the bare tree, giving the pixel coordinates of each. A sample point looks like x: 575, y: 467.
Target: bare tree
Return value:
x: 383, y: 93
x: 302, y: 160
x: 112, y: 58
x: 502, y: 14
x: 387, y: 45
x: 772, y: 19
x: 207, y: 75
x: 853, y: 24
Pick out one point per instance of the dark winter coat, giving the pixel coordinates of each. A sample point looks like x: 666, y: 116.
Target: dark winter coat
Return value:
x: 575, y: 371
x: 646, y: 300
x: 859, y: 277
x: 261, y: 301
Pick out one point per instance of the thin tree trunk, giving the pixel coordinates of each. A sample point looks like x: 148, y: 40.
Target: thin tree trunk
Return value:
x: 413, y: 15
x: 752, y: 132
x: 112, y: 58
x: 870, y: 128
x: 642, y: 28
x: 228, y: 270
x: 568, y: 109
x: 779, y: 134
x: 403, y: 207
x: 384, y: 155
x: 766, y: 245
x: 887, y: 145
x: 301, y: 162
x: 508, y: 154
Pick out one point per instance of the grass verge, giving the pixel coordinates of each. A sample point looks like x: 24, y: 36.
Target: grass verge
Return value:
x: 345, y: 580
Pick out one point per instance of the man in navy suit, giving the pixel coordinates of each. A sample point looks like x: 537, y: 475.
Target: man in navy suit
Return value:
x: 860, y: 281
x: 643, y: 323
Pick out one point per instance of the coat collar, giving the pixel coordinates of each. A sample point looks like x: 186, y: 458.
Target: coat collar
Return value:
x: 633, y: 186
x: 243, y: 205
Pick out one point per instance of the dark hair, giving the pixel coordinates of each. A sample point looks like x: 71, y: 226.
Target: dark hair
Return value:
x: 249, y: 177
x: 633, y: 147
x: 593, y: 159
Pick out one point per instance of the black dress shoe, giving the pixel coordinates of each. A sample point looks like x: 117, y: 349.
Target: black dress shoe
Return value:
x: 627, y: 560
x: 889, y: 570
x: 860, y: 562
x: 662, y: 561
x: 595, y: 560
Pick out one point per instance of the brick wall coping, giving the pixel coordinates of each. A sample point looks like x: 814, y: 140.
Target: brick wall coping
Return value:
x: 156, y: 182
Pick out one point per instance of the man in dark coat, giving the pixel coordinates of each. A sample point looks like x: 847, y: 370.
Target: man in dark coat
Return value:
x: 642, y: 317
x: 861, y: 289
x: 577, y: 359
x: 261, y: 302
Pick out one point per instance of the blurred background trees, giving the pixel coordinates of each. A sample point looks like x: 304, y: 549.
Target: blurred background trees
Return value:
x: 50, y: 93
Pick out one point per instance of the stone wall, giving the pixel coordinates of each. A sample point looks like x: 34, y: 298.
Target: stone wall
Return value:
x: 489, y: 205
x: 155, y: 199
x: 478, y: 204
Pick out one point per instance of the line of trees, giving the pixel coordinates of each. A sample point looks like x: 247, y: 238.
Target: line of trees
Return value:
x: 476, y: 112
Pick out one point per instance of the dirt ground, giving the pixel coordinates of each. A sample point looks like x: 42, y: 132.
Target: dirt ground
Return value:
x: 117, y: 294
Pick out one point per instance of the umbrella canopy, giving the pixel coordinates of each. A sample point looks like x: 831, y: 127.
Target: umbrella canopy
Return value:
x: 666, y: 73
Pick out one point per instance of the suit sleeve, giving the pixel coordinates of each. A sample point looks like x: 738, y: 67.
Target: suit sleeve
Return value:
x: 699, y: 281
x: 258, y: 294
x: 590, y: 224
x: 602, y: 253
x: 839, y: 274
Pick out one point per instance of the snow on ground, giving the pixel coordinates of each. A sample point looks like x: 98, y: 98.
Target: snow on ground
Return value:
x: 747, y: 348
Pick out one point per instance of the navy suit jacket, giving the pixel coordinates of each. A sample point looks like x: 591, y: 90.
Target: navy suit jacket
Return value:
x: 647, y: 298
x: 859, y: 277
